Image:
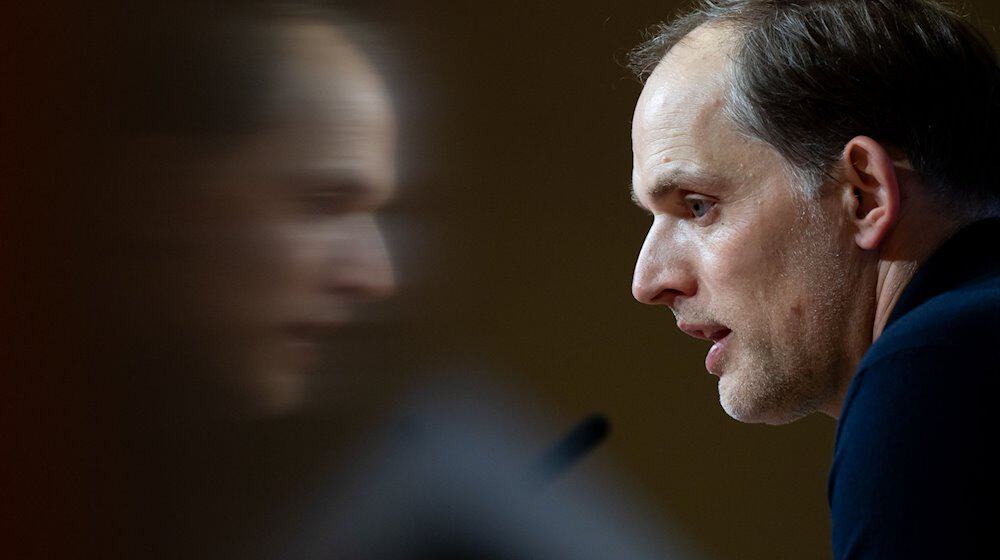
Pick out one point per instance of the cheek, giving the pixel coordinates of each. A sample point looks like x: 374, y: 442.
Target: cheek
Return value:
x: 302, y: 245
x: 753, y: 283
x: 740, y: 268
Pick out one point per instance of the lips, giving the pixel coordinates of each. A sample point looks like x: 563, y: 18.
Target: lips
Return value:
x: 715, y: 353
x: 718, y: 334
x: 707, y: 331
x: 314, y: 329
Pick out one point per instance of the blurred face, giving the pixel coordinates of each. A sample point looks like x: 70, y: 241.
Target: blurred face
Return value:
x: 737, y: 254
x: 310, y: 188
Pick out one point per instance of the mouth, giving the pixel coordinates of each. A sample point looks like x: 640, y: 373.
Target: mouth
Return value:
x: 302, y: 341
x: 718, y: 334
x: 313, y: 330
x: 714, y: 355
x: 706, y: 331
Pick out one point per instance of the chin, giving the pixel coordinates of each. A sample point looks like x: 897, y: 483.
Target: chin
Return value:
x: 277, y: 394
x: 743, y: 404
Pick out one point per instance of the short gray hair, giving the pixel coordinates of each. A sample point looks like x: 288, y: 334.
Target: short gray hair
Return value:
x: 808, y: 75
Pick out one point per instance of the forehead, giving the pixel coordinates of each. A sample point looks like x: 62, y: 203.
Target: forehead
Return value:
x: 680, y: 122
x: 696, y: 63
x: 333, y: 107
x: 684, y: 95
x: 324, y: 79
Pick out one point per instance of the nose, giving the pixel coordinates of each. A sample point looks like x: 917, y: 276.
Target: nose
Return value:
x: 364, y: 271
x: 662, y: 272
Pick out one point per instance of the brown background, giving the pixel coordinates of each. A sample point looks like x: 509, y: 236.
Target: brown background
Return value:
x: 517, y: 238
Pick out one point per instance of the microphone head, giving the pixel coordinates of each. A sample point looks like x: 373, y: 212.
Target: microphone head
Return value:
x: 581, y: 440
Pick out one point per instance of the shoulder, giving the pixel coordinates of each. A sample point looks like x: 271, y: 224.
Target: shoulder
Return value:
x: 938, y: 364
x: 913, y: 473
x: 942, y: 355
x: 914, y: 436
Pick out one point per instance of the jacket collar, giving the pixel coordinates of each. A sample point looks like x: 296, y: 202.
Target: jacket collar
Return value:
x: 972, y: 253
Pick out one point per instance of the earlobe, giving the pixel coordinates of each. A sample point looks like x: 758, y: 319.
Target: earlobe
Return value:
x: 871, y: 176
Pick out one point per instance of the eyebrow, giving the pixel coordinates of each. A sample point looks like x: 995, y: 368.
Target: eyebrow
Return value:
x: 672, y: 180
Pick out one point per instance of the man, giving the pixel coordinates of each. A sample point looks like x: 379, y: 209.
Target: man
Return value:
x: 824, y: 200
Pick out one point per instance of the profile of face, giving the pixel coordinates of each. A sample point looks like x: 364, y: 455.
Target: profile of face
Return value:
x: 305, y: 193
x: 736, y: 250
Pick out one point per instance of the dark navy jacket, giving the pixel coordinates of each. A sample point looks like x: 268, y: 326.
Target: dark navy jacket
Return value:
x: 916, y: 469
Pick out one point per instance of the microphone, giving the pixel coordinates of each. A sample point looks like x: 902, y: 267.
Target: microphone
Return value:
x: 568, y: 450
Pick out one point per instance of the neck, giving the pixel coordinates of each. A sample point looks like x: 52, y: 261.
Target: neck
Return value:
x: 915, y: 237
x: 919, y: 232
x: 893, y: 276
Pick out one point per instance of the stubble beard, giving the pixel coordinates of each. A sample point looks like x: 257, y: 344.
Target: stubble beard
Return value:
x: 789, y: 364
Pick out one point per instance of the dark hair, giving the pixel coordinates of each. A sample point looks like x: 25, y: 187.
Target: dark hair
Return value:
x: 807, y: 76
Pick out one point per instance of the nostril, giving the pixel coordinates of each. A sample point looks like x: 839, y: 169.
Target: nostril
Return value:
x: 666, y: 297
x: 653, y: 296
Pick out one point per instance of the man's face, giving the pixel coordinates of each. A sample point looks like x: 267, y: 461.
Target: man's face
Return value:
x: 738, y: 255
x: 309, y: 189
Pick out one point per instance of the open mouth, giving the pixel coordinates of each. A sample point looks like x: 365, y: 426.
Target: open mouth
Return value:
x: 707, y: 331
x: 720, y: 334
x: 314, y: 330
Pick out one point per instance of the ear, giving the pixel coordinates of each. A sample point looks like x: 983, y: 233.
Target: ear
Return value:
x: 870, y: 174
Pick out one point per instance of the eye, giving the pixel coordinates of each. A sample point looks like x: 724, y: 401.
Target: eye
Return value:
x: 698, y: 206
x: 328, y: 200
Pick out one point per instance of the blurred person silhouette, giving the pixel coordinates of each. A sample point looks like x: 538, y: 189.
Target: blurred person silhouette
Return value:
x: 264, y: 139
x: 195, y: 218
